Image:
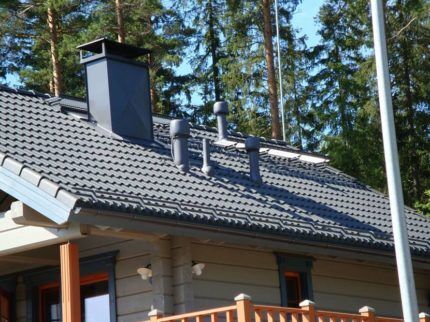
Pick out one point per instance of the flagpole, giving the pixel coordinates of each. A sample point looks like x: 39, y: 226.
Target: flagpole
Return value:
x: 281, y: 91
x: 401, y: 244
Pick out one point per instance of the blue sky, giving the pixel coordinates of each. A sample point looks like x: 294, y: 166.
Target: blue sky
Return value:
x: 304, y: 19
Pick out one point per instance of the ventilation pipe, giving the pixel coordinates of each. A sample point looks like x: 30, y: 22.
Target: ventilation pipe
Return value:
x: 207, y: 169
x: 179, y: 133
x: 221, y: 111
x: 252, y: 146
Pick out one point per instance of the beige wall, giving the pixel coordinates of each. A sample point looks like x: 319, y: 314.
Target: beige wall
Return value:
x: 347, y: 286
x: 338, y: 284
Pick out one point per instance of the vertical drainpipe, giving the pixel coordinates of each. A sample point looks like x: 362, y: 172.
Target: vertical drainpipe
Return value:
x: 252, y: 146
x: 179, y: 133
x: 221, y: 111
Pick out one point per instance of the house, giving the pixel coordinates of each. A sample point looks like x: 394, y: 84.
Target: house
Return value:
x: 91, y: 192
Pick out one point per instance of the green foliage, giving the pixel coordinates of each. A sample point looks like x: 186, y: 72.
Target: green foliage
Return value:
x: 424, y: 205
x: 345, y: 98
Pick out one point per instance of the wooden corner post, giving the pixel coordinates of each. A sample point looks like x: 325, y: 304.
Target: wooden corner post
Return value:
x: 368, y: 313
x: 243, y: 307
x: 308, y: 306
x: 70, y: 283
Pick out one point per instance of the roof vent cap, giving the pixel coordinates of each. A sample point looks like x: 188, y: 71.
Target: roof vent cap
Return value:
x: 221, y: 111
x: 252, y: 146
x: 179, y: 133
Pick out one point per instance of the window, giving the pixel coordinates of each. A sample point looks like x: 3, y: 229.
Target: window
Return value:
x: 293, y: 289
x: 97, y: 291
x: 294, y: 279
x: 94, y: 300
x: 4, y: 307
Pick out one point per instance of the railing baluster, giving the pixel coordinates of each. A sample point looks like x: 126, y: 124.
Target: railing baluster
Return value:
x: 214, y: 317
x: 257, y: 315
x: 199, y: 318
x: 294, y: 317
x: 282, y: 316
x: 270, y: 316
x: 229, y: 317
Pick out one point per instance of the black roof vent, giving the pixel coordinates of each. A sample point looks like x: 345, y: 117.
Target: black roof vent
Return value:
x: 117, y: 88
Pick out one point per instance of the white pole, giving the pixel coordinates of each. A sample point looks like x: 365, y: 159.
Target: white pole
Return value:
x: 403, y: 255
x: 281, y: 91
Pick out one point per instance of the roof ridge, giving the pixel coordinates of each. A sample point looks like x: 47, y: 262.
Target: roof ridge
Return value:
x: 24, y: 91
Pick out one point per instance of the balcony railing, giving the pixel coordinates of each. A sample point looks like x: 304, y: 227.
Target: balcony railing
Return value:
x: 245, y: 311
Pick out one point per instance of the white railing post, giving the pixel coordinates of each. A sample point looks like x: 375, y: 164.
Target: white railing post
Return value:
x: 368, y: 313
x: 424, y: 317
x: 154, y: 315
x: 309, y: 306
x: 243, y: 307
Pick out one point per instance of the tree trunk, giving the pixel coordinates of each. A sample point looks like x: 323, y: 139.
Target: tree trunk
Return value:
x: 214, y: 44
x: 120, y: 21
x: 56, y: 83
x: 271, y: 77
x: 153, y: 70
x: 152, y: 89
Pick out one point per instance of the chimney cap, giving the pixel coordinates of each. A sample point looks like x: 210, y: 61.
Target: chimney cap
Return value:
x: 252, y: 143
x: 220, y: 107
x: 110, y: 47
x: 179, y: 128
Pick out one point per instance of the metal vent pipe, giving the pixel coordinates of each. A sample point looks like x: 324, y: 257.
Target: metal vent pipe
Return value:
x: 207, y: 169
x: 179, y: 133
x: 221, y: 111
x: 252, y: 146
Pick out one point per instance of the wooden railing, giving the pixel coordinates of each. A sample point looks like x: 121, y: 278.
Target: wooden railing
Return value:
x: 244, y: 311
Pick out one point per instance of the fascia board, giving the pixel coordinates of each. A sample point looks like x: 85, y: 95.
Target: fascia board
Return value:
x: 34, y: 197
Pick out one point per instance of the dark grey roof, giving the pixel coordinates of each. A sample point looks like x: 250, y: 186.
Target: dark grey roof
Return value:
x: 297, y: 199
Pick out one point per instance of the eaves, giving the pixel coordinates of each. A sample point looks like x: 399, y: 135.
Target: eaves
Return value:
x: 36, y: 191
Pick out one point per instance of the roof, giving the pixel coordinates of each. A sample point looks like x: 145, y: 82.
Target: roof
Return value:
x: 298, y: 199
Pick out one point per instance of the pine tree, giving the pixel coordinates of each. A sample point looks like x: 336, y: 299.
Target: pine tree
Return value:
x: 344, y: 91
x: 42, y: 47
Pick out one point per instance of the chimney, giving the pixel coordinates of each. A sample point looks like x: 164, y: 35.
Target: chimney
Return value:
x: 117, y: 88
x: 252, y: 146
x: 207, y: 169
x: 179, y: 133
x: 221, y: 111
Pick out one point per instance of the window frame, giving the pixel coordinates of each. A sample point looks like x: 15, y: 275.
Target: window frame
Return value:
x: 295, y: 264
x: 89, y: 266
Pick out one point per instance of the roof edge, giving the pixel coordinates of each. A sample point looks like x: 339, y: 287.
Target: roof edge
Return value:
x: 36, y: 191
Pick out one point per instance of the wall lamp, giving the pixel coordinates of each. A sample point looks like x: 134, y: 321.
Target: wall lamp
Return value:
x: 197, y: 268
x: 145, y: 272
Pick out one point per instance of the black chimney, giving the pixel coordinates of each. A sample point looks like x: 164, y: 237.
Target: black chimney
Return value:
x: 118, y: 88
